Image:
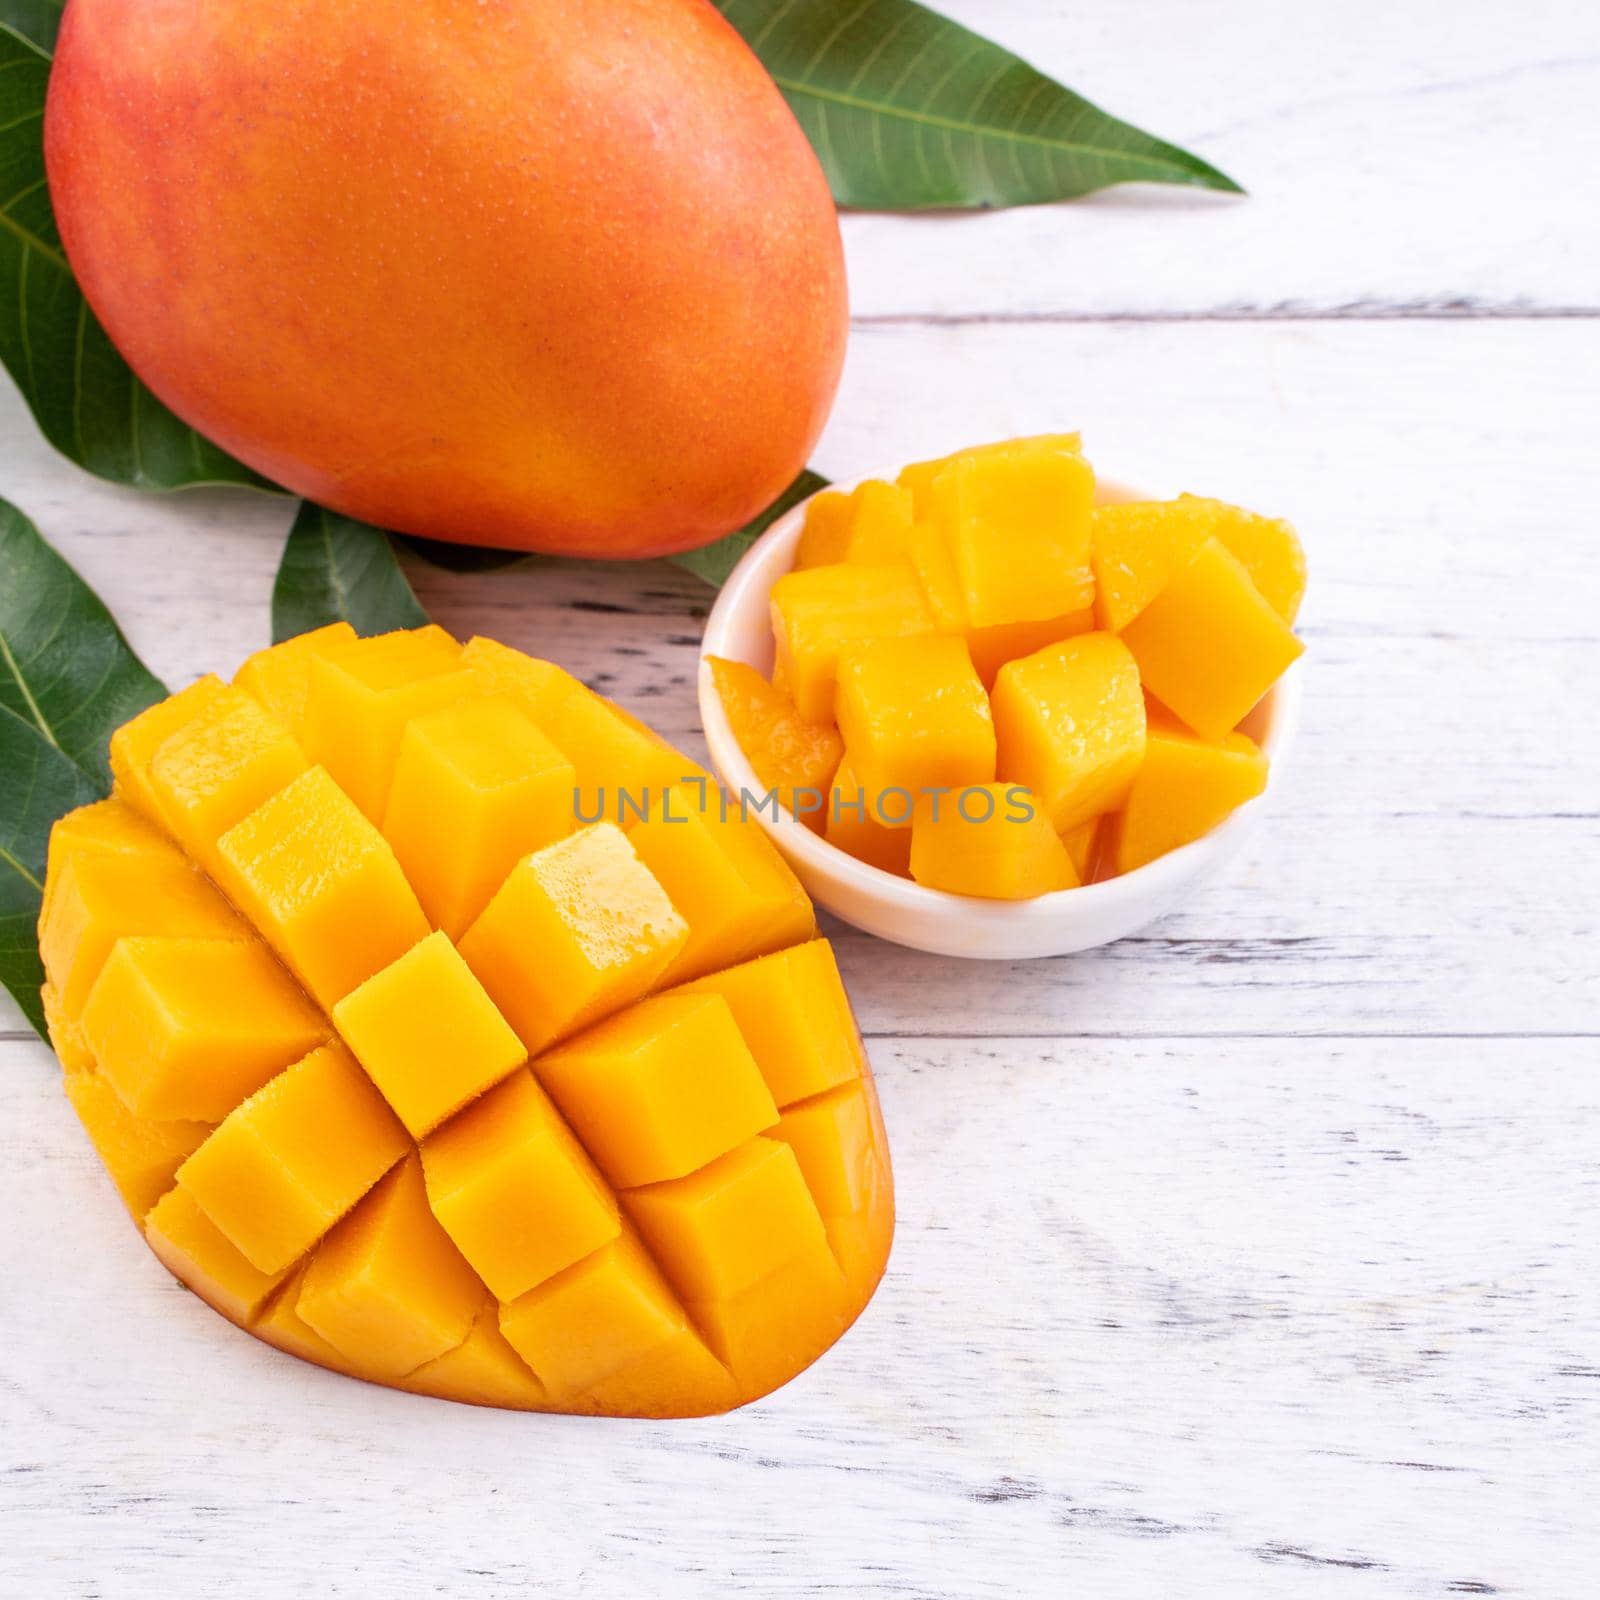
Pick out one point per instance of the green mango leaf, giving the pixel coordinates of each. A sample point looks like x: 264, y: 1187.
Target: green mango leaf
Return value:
x: 65, y: 668
x: 37, y: 785
x: 908, y: 111
x: 714, y: 562
x: 335, y: 569
x: 83, y: 395
x: 37, y: 21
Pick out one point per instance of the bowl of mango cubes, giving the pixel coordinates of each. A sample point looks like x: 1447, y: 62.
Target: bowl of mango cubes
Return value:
x: 997, y: 707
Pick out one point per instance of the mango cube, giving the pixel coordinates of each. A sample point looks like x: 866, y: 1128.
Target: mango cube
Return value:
x: 215, y: 769
x: 722, y: 1229
x: 1208, y: 646
x: 594, y: 1317
x: 914, y: 717
x: 278, y: 1322
x: 108, y: 827
x: 826, y: 530
x: 795, y: 1017
x: 322, y: 885
x: 284, y: 1166
x: 187, y: 1028
x: 1070, y: 724
x: 921, y: 476
x: 538, y: 687
x: 99, y: 897
x: 278, y: 678
x: 361, y: 697
x: 878, y: 527
x: 1081, y: 843
x: 427, y: 1034
x: 387, y: 1289
x: 992, y: 648
x: 991, y: 841
x: 142, y: 1155
x: 1267, y: 548
x: 578, y: 929
x: 135, y: 743
x: 1185, y: 788
x: 854, y: 825
x: 659, y: 1090
x: 200, y: 1256
x: 817, y: 612
x: 516, y: 1191
x: 1018, y: 526
x: 483, y: 1370
x: 792, y: 758
x: 66, y: 1037
x: 476, y: 787
x: 728, y: 882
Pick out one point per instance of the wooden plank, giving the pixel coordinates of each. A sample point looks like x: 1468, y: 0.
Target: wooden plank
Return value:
x: 1394, y: 165
x: 1163, y: 1318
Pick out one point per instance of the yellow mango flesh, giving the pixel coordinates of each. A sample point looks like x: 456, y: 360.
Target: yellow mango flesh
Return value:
x: 991, y: 840
x: 920, y: 476
x: 789, y: 754
x: 1209, y: 646
x: 311, y: 1083
x: 1070, y: 726
x: 914, y: 716
x: 825, y: 531
x: 853, y: 825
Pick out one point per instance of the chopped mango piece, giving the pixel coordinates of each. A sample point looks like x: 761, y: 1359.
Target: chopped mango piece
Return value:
x: 594, y: 1317
x: 284, y: 1166
x: 722, y: 1229
x: 795, y: 1017
x: 920, y: 476
x: 99, y: 897
x: 66, y: 1037
x: 838, y: 1140
x: 878, y: 531
x: 1018, y: 527
x: 990, y: 840
x: 728, y: 882
x: 1138, y: 546
x: 428, y: 1034
x: 142, y: 1155
x: 483, y: 1370
x: 278, y: 678
x: 577, y: 930
x: 1080, y: 844
x: 108, y: 827
x: 187, y: 1028
x: 1184, y: 789
x: 515, y: 1190
x: 1267, y: 547
x: 280, y: 1324
x: 792, y: 758
x: 1208, y: 646
x: 659, y: 1090
x: 1070, y: 724
x: 476, y: 787
x: 914, y: 717
x: 361, y: 697
x: 217, y: 767
x: 853, y: 825
x: 387, y: 1289
x: 135, y: 743
x: 199, y: 1255
x: 322, y: 885
x: 993, y: 647
x: 537, y: 686
x: 826, y: 530
x: 816, y: 613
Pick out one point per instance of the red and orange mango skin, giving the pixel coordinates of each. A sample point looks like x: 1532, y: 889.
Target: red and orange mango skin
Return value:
x: 561, y: 276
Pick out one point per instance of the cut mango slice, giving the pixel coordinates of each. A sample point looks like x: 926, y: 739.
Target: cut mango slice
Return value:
x: 914, y: 717
x: 1185, y: 788
x: 1208, y: 646
x: 1070, y: 724
x: 826, y: 530
x: 1267, y: 548
x: 793, y: 759
x: 853, y: 825
x: 920, y: 476
x: 817, y: 612
x: 991, y: 840
x: 321, y: 1106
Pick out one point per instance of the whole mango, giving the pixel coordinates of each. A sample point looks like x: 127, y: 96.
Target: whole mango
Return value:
x: 557, y: 275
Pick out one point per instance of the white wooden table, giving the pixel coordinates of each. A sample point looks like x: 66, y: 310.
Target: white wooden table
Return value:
x: 1254, y: 1256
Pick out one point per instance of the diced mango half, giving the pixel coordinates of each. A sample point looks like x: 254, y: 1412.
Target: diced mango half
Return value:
x: 1070, y: 725
x: 817, y: 612
x: 991, y: 840
x: 794, y: 759
x: 296, y: 970
x: 1209, y: 646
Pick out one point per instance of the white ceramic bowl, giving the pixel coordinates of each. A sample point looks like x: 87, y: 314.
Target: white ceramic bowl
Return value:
x: 740, y: 629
